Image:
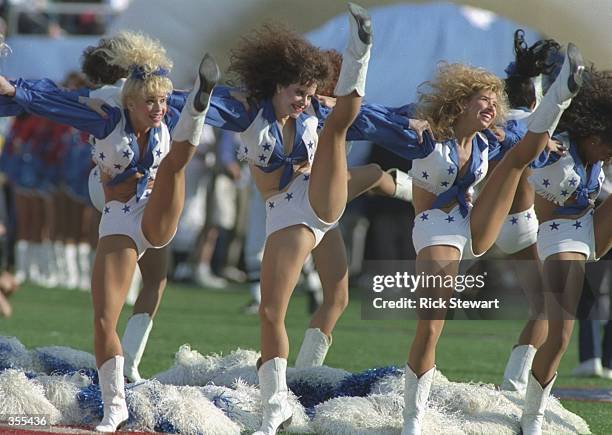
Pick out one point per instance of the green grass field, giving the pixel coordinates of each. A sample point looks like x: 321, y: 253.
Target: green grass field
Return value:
x: 212, y: 322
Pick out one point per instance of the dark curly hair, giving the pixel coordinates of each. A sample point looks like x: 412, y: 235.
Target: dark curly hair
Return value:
x: 529, y: 62
x: 95, y: 65
x: 335, y: 62
x: 590, y: 113
x: 274, y: 55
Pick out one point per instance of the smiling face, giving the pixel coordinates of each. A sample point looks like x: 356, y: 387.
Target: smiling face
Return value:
x: 147, y: 111
x: 293, y: 99
x: 480, y: 111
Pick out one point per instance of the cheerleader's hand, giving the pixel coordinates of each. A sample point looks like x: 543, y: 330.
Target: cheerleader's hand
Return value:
x: 6, y: 88
x: 554, y: 146
x: 326, y: 101
x: 95, y: 104
x: 499, y: 133
x: 420, y: 126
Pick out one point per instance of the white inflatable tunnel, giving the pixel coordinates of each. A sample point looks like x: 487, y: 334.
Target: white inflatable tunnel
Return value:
x: 189, y: 28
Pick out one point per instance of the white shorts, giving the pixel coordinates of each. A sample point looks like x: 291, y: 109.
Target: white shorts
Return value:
x: 125, y: 219
x: 519, y: 231
x: 567, y: 235
x: 292, y: 207
x: 435, y: 227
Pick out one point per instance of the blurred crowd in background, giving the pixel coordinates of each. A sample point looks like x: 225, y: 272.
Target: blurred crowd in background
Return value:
x: 54, y: 19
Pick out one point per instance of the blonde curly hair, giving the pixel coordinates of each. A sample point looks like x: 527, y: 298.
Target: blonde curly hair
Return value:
x: 145, y: 60
x: 443, y: 99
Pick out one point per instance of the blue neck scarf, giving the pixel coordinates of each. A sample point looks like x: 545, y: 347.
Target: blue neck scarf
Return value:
x: 462, y: 184
x: 589, y: 183
x: 278, y: 158
x: 138, y: 164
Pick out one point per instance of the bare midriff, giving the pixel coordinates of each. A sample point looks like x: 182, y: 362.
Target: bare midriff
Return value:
x: 123, y: 191
x: 424, y: 200
x: 267, y: 182
x: 547, y: 210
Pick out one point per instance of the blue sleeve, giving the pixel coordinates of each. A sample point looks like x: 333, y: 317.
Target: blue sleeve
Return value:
x: 515, y: 132
x: 47, y: 85
x: 64, y: 110
x: 544, y: 159
x: 171, y: 118
x: 9, y: 107
x: 385, y: 126
x: 227, y: 113
x: 496, y: 150
x: 226, y: 147
x: 177, y: 99
x: 320, y: 111
x: 74, y: 95
x: 407, y: 110
x: 389, y: 129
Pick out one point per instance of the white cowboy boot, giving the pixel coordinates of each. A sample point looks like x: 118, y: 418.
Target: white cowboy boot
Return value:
x: 34, y: 263
x: 356, y: 56
x: 72, y: 266
x: 84, y: 251
x: 277, y: 412
x: 60, y: 260
x: 559, y: 96
x: 403, y: 184
x: 22, y: 248
x: 518, y: 367
x: 191, y: 122
x: 590, y: 367
x: 536, y: 400
x: 110, y: 375
x: 416, y: 394
x: 134, y: 342
x: 314, y: 349
x: 49, y: 271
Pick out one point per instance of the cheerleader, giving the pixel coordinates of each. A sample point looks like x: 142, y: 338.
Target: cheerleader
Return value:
x: 143, y: 172
x: 305, y: 192
x: 108, y: 79
x: 571, y: 230
x: 458, y: 104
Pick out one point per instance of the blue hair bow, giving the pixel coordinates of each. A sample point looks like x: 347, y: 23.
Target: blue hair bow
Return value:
x: 139, y: 73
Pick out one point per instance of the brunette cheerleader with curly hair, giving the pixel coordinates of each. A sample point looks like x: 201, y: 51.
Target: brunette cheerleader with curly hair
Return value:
x: 571, y: 231
x: 302, y: 175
